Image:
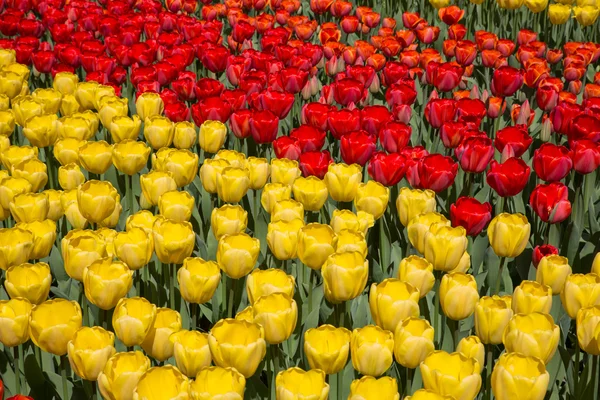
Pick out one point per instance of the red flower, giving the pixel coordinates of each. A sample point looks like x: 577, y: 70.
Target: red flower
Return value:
x: 242, y: 31
x: 236, y: 98
x: 451, y: 15
x: 316, y: 114
x: 585, y: 155
x: 562, y: 116
x: 474, y: 153
x: 551, y: 162
x: 374, y: 117
x: 584, y: 126
x: 348, y: 90
x: 341, y: 122
x: 43, y: 61
x: 542, y: 251
x: 264, y: 126
x: 279, y: 103
x: 214, y: 58
x: 465, y: 52
x: 513, y: 141
x: 393, y: 72
x: 286, y: 147
x: 445, y: 77
x: 457, y: 32
x: 357, y: 147
x: 546, y: 94
x: 452, y: 132
x: 308, y: 138
x: 433, y: 171
x: 212, y: 108
x: 472, y: 215
x: 470, y: 110
x: 240, y: 123
x: 508, y: 178
x: 438, y: 111
x: 362, y: 73
x: 184, y: 87
x: 315, y: 163
x: 400, y: 94
x: 394, y: 136
x: 387, y: 169
x: 208, y: 87
x: 551, y: 202
x: 506, y: 81
x: 292, y: 79
x: 177, y: 111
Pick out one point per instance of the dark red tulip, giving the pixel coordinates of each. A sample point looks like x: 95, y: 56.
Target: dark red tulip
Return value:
x: 474, y: 153
x: 445, y: 76
x: 585, y: 155
x: 348, y: 90
x: 393, y: 72
x: 286, y: 147
x: 214, y: 58
x: 264, y: 126
x: 177, y: 112
x: 470, y: 110
x: 551, y: 202
x: 387, y: 169
x: 551, y: 162
x: 212, y: 108
x: 512, y: 141
x: 374, y: 117
x: 542, y: 251
x: 394, y: 136
x: 438, y: 111
x: 562, y: 116
x: 506, y: 81
x: 240, y: 123
x: 357, y: 147
x: 308, y: 138
x: 43, y: 61
x: 292, y: 79
x: 509, y: 178
x: 315, y: 163
x: 236, y: 98
x: 546, y: 94
x: 341, y: 122
x: 583, y: 126
x: 471, y: 214
x: 208, y: 87
x: 400, y: 94
x: 433, y: 171
x: 278, y: 102
x: 316, y: 114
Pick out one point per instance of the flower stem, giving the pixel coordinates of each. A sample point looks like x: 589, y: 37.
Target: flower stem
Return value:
x: 499, y: 279
x: 340, y: 384
x: 230, y: 300
x: 63, y: 375
x: 17, y: 370
x: 172, y: 286
x: 436, y: 312
x: 576, y: 368
x: 488, y: 372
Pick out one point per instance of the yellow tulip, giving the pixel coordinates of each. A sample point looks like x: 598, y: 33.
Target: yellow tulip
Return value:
x: 418, y: 272
x: 26, y: 107
x: 260, y: 170
x: 85, y: 93
x: 247, y: 314
x: 162, y: 383
x: 50, y: 98
x: 209, y: 171
x: 191, y: 350
x: 344, y: 276
x: 458, y: 295
x: 10, y: 84
x: 553, y: 271
x: 451, y: 374
x: 14, y: 155
x: 97, y: 200
x: 580, y: 291
x: 295, y: 383
x: 70, y: 176
x: 69, y: 105
x: 445, y: 246
x: 185, y: 135
x: 273, y: 193
x: 342, y: 181
x: 121, y: 375
x: 7, y: 57
x: 327, y: 347
x: 263, y: 282
x: 531, y: 296
x: 70, y: 206
x: 228, y: 220
x: 4, y: 102
x: 277, y: 313
x: 311, y: 192
x: 29, y: 207
x: 198, y: 280
x: 596, y: 264
x: 159, y: 131
x: 155, y: 183
x: 413, y: 341
x: 509, y: 234
x: 142, y: 219
x: 218, y: 383
x: 7, y: 123
x: 173, y: 241
x: 516, y: 376
x: 588, y: 334
x: 149, y: 104
x: 95, y: 157
x: 492, y: 314
x: 102, y: 94
x: 212, y: 136
x: 370, y: 388
x: 419, y: 226
x: 33, y: 171
x: 437, y: 4
x: 44, y: 236
x: 132, y: 320
x: 371, y: 350
x: 66, y: 151
x: 412, y: 202
x: 237, y: 254
x: 586, y: 15
x: 392, y: 301
x: 29, y: 281
x: 123, y: 128
x: 108, y: 235
x: 176, y: 206
x: 238, y: 344
x: 53, y: 324
x: 287, y: 210
x: 130, y: 156
x: 284, y: 171
x: 233, y: 184
x: 80, y: 249
x: 533, y: 335
x: 106, y: 282
x: 559, y: 13
x: 134, y: 247
x: 346, y: 219
x: 183, y: 164
x: 75, y: 126
x: 89, y: 350
x: 234, y: 158
x: 41, y: 130
x: 348, y: 241
x: 14, y: 321
x: 464, y: 264
x: 65, y: 82
x: 510, y: 4
x: 111, y: 107
x: 16, y: 245
x: 372, y: 197
x: 156, y: 343
x: 282, y: 238
x: 424, y: 394
x: 472, y: 347
x: 315, y: 243
x: 55, y: 211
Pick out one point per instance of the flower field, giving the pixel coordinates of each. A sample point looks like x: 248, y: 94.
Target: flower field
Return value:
x: 299, y: 200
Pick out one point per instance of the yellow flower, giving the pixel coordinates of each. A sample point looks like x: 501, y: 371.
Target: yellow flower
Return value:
x: 156, y: 343
x: 418, y: 272
x: 95, y: 157
x: 134, y: 247
x: 533, y: 335
x: 371, y: 350
x: 492, y: 314
x: 65, y: 82
x: 553, y: 271
x: 412, y: 202
x: 282, y: 238
x: 315, y: 243
x: 41, y: 130
x: 238, y: 344
x: 132, y: 320
x: 97, y: 200
x: 218, y: 383
x: 16, y: 245
x: 424, y: 394
x: 327, y: 347
x: 162, y: 383
x: 212, y: 136
x: 347, y: 241
x: 311, y: 192
x: 586, y: 15
x: 70, y: 176
x: 370, y: 388
x: 89, y: 350
x: 391, y: 301
x: 33, y: 171
x: 580, y: 291
x: 4, y: 103
x: 559, y: 13
x: 413, y: 341
x: 106, y: 282
x: 344, y: 276
x: 372, y: 197
x: 191, y: 351
x: 7, y: 57
x: 287, y: 210
x: 121, y: 375
x: 111, y: 107
x: 346, y: 219
x: 142, y: 219
x: 44, y: 237
x: 284, y: 171
x: 76, y: 126
x: 198, y: 280
x: 159, y: 131
x: 263, y: 282
x: 516, y: 376
x: 185, y: 135
x: 342, y: 181
x: 419, y: 226
x: 173, y: 241
x: 7, y: 122
x: 464, y: 264
x: 29, y: 281
x: 28, y: 207
x: 273, y: 193
x: 277, y: 313
x: 234, y: 158
x: 66, y: 151
x: 80, y: 249
x: 509, y: 234
x: 458, y: 295
x: 183, y: 164
x: 472, y: 347
x: 55, y: 211
x: 176, y: 206
x: 237, y: 254
x: 130, y: 156
x: 155, y: 183
x: 14, y: 321
x: 123, y: 128
x: 14, y: 155
x: 260, y: 170
x: 437, y: 4
x: 49, y: 97
x: 209, y: 171
x: 531, y: 296
x: 296, y: 383
x: 68, y: 200
x: 445, y: 246
x: 233, y: 184
x: 588, y: 334
x: 228, y: 220
x: 510, y: 4
x: 53, y: 324
x: 25, y: 107
x: 85, y: 93
x: 247, y: 314
x: 149, y: 104
x: 451, y: 374
x: 11, y: 84
x: 69, y: 105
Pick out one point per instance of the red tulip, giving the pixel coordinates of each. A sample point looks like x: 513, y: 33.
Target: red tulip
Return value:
x: 362, y: 73
x: 264, y: 126
x: 208, y: 87
x: 308, y: 138
x: 374, y: 117
x: 292, y: 79
x: 387, y: 169
x: 562, y: 116
x: 445, y: 77
x: 546, y: 94
x: 551, y: 162
x: 393, y: 72
x: 551, y: 202
x: 438, y: 111
x: 286, y: 147
x: 506, y: 81
x: 20, y: 397
x: 400, y: 94
x: 212, y: 108
x: 585, y: 126
x: 214, y: 58
x: 472, y: 215
x: 486, y: 40
x: 526, y: 36
x: 470, y: 110
x: 428, y: 34
x: 315, y: 163
x: 242, y: 31
x: 509, y: 178
x: 474, y: 153
x: 451, y: 15
x: 348, y: 90
x: 433, y: 171
x: 279, y: 103
x: 542, y: 251
x: 43, y: 61
x: 394, y: 136
x: 350, y: 24
x: 357, y: 147
x: 451, y: 133
x: 585, y: 155
x: 343, y: 121
x: 457, y: 32
x: 177, y: 111
x: 184, y: 87
x: 316, y: 114
x: 465, y: 52
x: 240, y: 123
x: 512, y: 141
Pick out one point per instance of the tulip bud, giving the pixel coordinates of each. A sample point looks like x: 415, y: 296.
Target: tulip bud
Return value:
x: 89, y: 350
x: 445, y: 246
x: 233, y: 184
x: 553, y: 271
x: 209, y: 171
x: 451, y: 374
x: 273, y: 193
x: 121, y: 374
x: 191, y: 351
x: 344, y: 276
x: 372, y: 350
x: 418, y: 272
x: 311, y: 192
x: 16, y: 245
x: 148, y: 105
x: 413, y: 341
x: 580, y: 291
x: 533, y: 335
x: 295, y: 383
x: 277, y: 313
x: 472, y: 347
x: 392, y: 301
x: 237, y: 254
x: 342, y: 181
x: 372, y: 197
x: 132, y: 319
x: 29, y: 281
x: 588, y: 320
x: 282, y: 238
x: 80, y: 249
x: 327, y: 348
x: 529, y: 372
x: 198, y: 280
x: 315, y: 244
x: 596, y: 264
x: 163, y: 382
x: 509, y: 234
x: 14, y: 321
x: 228, y: 220
x: 530, y: 297
x: 419, y: 226
x: 458, y: 295
x: 260, y: 170
x: 156, y: 343
x: 370, y: 388
x: 492, y: 314
x: 53, y: 324
x: 106, y: 281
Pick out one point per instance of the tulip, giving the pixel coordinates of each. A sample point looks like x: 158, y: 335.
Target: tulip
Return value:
x: 472, y: 215
x: 173, y: 241
x: 327, y: 348
x: 260, y: 170
x: 66, y: 151
x: 296, y: 383
x: 191, y: 351
x: 97, y: 200
x: 247, y: 314
x: 507, y: 80
x: 185, y: 135
x: 26, y: 107
x: 7, y: 124
x: 370, y: 388
x: 124, y: 128
x: 111, y: 107
x: 342, y: 181
x: 156, y: 183
x: 70, y: 176
x: 228, y: 220
x: 237, y: 254
x: 89, y: 350
x: 392, y: 301
x: 287, y: 210
x: 80, y: 249
x: 344, y: 276
x: 587, y: 329
x: 149, y: 104
x: 472, y: 347
x: 357, y: 147
x: 451, y: 374
x: 418, y: 230
x: 156, y: 343
x: 162, y: 382
x: 12, y: 187
x: 14, y: 321
x: 458, y: 295
x: 183, y: 164
x: 315, y: 244
x: 198, y: 280
x: 234, y: 158
x: 346, y: 219
x: 282, y: 238
x: 265, y: 282
x: 121, y: 374
x: 132, y: 319
x: 372, y: 350
x: 348, y: 241
x: 53, y: 324
x: 70, y: 206
x: 233, y: 184
x: 413, y: 341
x: 159, y: 131
x: 277, y: 313
x: 238, y: 344
x: 412, y: 202
x: 176, y: 206
x: 77, y: 126
x: 509, y: 178
x: 580, y: 291
x: 33, y: 171
x: 372, y: 197
x: 65, y: 82
x: 16, y: 245
x: 533, y: 335
x: 586, y: 15
x: 552, y: 163
x: 134, y: 247
x: 509, y: 234
x: 29, y: 281
x: 29, y: 207
x: 418, y: 272
x: 106, y: 281
x: 516, y: 376
x: 387, y: 169
x: 217, y: 382
x: 96, y: 157
x: 211, y: 168
x: 69, y: 105
x: 492, y: 314
x: 41, y: 130
x: 284, y: 171
x: 274, y: 193
x: 553, y: 271
x: 530, y: 297
x: 212, y: 136
x: 433, y: 171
